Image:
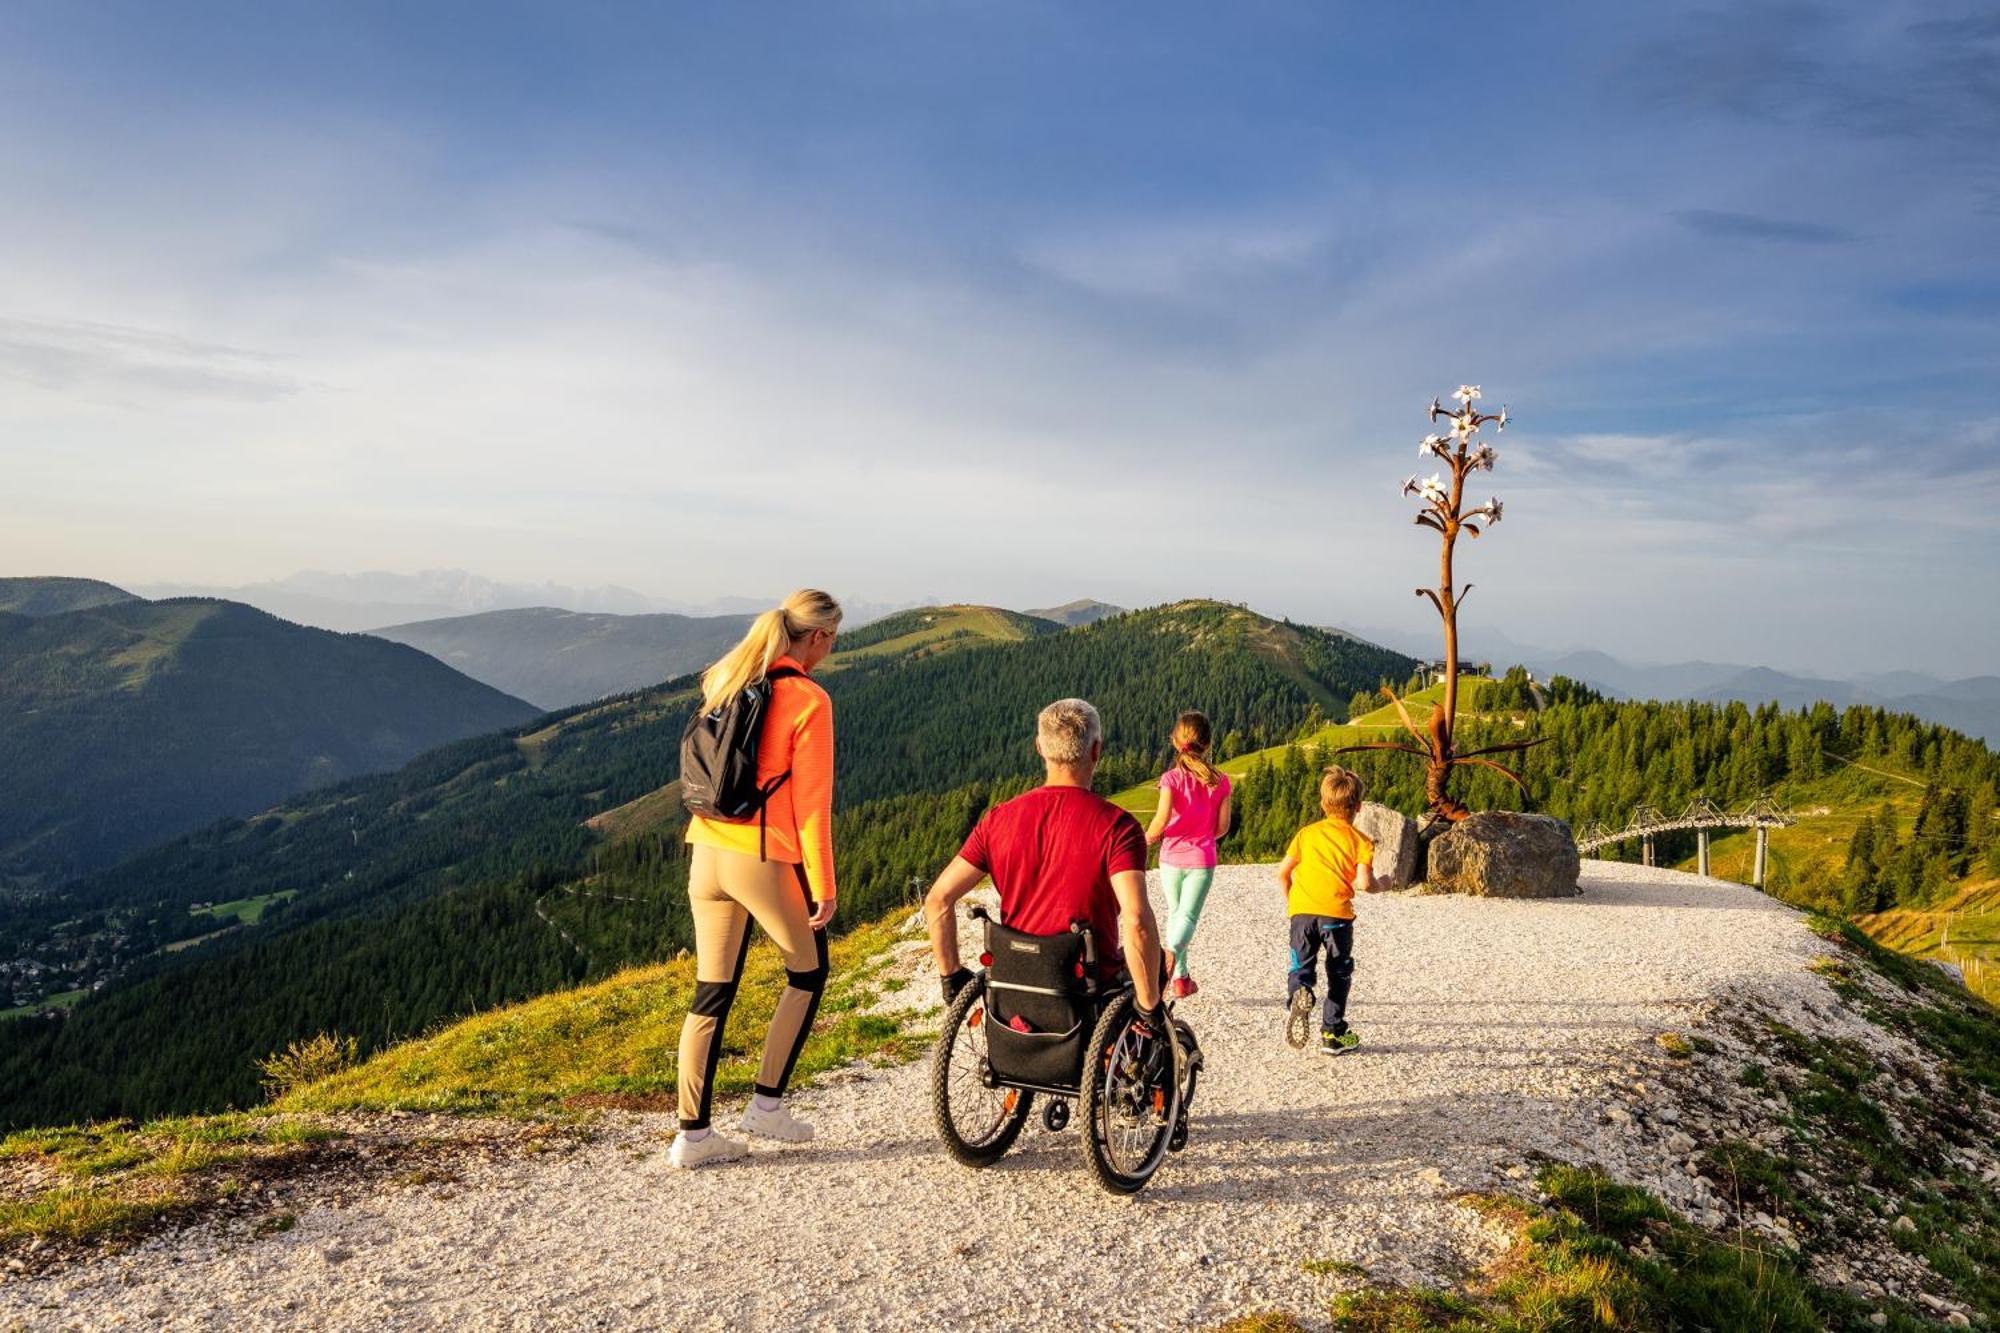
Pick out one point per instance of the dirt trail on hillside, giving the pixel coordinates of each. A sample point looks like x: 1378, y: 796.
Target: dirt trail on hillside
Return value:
x: 1491, y: 1029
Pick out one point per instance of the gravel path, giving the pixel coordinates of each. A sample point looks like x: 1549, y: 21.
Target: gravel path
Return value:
x: 1490, y: 1029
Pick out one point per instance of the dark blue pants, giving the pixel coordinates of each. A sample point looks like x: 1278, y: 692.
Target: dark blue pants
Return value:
x: 1311, y: 935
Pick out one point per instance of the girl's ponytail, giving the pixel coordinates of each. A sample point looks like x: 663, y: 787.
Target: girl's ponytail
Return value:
x: 769, y: 638
x: 1191, y: 742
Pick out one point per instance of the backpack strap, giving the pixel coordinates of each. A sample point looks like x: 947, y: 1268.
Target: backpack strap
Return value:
x: 770, y: 789
x: 765, y: 793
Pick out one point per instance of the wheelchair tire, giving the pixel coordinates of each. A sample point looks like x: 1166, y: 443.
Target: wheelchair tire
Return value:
x: 1128, y: 1129
x: 959, y: 1102
x: 1191, y: 1063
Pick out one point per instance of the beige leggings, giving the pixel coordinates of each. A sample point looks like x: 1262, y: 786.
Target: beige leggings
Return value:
x: 726, y: 890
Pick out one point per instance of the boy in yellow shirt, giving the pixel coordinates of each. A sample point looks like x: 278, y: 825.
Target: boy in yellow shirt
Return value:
x: 1323, y: 867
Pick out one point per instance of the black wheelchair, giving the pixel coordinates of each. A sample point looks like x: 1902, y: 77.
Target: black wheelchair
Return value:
x: 1035, y: 1021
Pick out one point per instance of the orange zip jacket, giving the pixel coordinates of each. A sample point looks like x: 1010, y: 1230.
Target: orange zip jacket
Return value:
x: 797, y: 735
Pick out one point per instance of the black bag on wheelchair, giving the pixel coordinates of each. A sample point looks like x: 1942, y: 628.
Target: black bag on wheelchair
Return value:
x: 1041, y: 1005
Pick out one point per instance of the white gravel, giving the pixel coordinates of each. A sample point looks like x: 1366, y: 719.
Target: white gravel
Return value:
x: 1491, y: 1030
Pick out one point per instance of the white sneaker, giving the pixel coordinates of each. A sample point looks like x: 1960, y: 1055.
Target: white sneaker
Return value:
x: 778, y: 1124
x: 702, y: 1151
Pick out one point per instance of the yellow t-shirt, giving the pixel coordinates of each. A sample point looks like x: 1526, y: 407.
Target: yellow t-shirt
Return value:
x: 1323, y: 881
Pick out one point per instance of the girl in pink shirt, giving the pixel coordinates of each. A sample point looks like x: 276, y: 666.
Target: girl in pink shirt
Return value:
x: 1192, y: 814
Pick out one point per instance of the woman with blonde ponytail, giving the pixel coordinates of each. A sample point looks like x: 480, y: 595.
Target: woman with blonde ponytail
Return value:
x: 775, y: 868
x: 1193, y: 814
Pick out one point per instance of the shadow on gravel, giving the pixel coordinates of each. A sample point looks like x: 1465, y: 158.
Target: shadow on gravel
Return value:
x: 1697, y: 898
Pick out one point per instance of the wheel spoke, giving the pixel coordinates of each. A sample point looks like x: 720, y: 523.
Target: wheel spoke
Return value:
x: 977, y: 1112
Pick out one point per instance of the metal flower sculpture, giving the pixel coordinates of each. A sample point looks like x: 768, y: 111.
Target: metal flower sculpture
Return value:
x: 1445, y: 512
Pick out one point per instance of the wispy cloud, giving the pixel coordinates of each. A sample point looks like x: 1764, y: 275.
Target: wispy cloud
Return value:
x: 1893, y: 70
x: 1751, y: 227
x: 108, y: 362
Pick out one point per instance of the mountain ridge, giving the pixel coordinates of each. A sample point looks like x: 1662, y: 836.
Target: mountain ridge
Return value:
x: 554, y: 657
x: 55, y: 594
x: 129, y: 722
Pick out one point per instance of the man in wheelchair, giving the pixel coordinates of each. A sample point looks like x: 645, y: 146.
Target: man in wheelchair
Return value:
x: 1060, y: 1009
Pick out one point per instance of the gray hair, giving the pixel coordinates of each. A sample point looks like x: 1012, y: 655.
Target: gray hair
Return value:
x: 1067, y: 730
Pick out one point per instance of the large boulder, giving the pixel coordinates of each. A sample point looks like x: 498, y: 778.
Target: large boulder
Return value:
x: 1500, y: 854
x: 1395, y: 837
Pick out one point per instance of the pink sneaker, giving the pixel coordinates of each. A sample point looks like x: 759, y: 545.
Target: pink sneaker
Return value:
x: 1184, y: 987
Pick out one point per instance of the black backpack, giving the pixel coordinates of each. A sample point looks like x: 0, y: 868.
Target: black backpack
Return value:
x: 719, y: 757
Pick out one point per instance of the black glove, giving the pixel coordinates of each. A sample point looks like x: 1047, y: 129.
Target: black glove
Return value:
x: 1155, y: 1051
x: 955, y: 982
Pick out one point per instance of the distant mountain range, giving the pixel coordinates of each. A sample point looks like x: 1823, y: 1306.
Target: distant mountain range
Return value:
x: 1970, y: 704
x: 125, y: 722
x: 554, y: 658
x: 349, y: 602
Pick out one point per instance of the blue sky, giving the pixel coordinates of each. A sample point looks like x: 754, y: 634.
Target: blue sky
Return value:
x: 1021, y: 302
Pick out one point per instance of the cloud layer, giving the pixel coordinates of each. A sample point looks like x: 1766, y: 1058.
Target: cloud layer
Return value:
x: 1019, y: 306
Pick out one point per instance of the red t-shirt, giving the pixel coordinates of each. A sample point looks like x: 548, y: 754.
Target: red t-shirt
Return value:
x: 1052, y: 853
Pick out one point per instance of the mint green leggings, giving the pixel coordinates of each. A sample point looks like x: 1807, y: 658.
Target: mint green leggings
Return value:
x: 1186, y: 889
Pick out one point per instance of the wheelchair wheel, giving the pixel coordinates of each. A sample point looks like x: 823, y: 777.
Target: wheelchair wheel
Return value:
x: 1190, y: 1075
x: 977, y: 1123
x: 1131, y: 1099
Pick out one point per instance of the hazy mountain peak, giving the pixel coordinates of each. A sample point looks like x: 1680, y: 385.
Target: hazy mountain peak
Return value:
x: 53, y: 596
x: 1083, y: 611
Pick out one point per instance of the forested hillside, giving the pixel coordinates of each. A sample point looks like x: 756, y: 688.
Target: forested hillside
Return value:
x: 130, y: 722
x: 507, y: 865
x: 556, y: 659
x: 1902, y: 810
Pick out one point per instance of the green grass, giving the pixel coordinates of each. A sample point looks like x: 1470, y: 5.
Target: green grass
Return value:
x: 247, y: 911
x: 61, y: 1000
x: 79, y: 1212
x: 1604, y: 1256
x: 113, y: 1177
x: 1600, y: 1255
x: 935, y: 629
x: 1381, y: 724
x: 615, y: 1042
x: 1964, y: 931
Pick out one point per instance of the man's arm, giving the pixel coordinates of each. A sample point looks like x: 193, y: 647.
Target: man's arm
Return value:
x: 959, y: 878
x: 1285, y: 869
x: 1364, y: 878
x: 1140, y: 934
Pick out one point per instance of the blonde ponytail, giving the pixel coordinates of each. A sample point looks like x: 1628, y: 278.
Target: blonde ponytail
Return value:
x: 1191, y: 741
x: 769, y: 638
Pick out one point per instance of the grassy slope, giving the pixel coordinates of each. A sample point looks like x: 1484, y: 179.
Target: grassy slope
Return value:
x: 615, y: 1042
x: 1964, y: 930
x: 1815, y: 849
x: 611, y: 1044
x: 1382, y: 724
x: 939, y: 627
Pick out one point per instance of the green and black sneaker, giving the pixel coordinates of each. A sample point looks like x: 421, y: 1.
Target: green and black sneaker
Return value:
x: 1298, y: 1025
x: 1331, y: 1043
